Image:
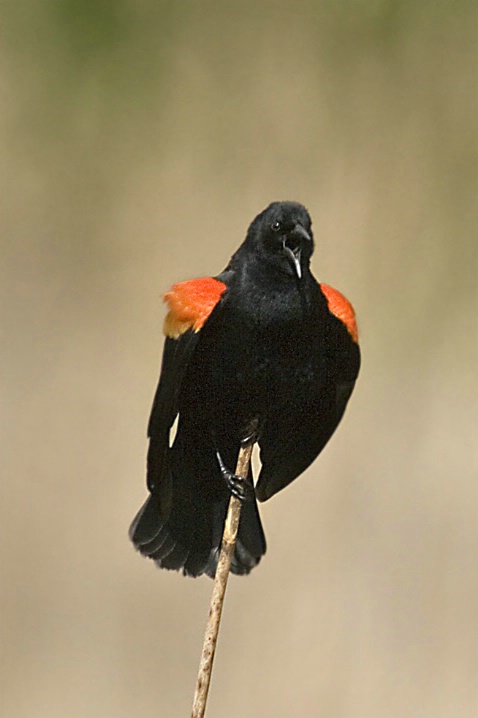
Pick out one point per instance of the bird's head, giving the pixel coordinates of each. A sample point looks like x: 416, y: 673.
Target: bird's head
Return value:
x: 281, y: 235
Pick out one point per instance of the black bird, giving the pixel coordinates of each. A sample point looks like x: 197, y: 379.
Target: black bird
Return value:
x: 262, y: 342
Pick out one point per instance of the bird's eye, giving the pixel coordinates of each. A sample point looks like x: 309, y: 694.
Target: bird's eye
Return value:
x: 275, y: 226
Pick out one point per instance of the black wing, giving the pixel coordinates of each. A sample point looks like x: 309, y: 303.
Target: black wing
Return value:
x: 290, y: 445
x: 177, y: 354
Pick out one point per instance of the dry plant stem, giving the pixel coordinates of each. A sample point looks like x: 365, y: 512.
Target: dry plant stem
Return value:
x: 219, y: 590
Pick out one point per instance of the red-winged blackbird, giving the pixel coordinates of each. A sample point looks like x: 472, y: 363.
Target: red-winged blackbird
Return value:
x: 263, y: 341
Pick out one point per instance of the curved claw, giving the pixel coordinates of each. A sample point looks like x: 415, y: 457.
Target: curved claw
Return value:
x: 241, y: 488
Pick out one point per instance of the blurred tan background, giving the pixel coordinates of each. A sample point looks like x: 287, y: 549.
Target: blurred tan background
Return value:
x: 139, y: 140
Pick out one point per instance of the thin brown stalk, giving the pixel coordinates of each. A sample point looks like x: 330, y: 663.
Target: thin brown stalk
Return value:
x: 219, y: 590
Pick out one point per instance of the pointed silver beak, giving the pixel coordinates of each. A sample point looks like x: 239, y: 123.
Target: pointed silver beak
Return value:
x: 298, y: 233
x: 294, y: 254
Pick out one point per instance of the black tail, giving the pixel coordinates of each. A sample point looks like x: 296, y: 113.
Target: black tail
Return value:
x: 187, y: 534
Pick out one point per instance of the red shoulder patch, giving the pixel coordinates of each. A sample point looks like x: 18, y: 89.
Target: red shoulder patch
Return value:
x: 341, y: 308
x: 190, y: 304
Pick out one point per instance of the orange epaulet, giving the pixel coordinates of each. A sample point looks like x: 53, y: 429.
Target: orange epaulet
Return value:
x: 341, y: 308
x: 190, y: 304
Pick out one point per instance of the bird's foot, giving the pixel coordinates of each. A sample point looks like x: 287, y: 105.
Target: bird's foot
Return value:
x: 241, y: 488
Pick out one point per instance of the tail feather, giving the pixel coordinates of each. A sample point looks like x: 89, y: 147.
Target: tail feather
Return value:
x: 176, y: 558
x: 196, y: 563
x: 189, y: 538
x: 145, y: 527
x: 166, y: 547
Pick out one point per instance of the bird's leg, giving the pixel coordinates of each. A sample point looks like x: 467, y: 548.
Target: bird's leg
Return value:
x: 239, y: 487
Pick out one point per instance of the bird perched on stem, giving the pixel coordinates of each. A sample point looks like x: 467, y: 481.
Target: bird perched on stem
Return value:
x: 262, y: 344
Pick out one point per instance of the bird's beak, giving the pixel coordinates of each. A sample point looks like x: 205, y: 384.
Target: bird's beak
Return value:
x: 301, y: 235
x: 294, y: 254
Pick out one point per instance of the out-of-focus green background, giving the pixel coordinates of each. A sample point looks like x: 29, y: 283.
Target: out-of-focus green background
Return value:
x: 140, y: 138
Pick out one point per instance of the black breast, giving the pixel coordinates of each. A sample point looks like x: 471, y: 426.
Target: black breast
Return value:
x: 261, y: 353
